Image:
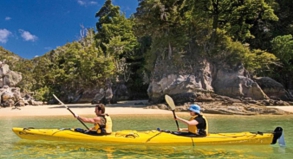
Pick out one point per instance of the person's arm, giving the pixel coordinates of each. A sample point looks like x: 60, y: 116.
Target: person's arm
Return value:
x: 192, y: 122
x: 88, y: 120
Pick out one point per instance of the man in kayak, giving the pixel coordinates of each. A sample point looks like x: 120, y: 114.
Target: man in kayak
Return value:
x: 197, y: 124
x: 102, y: 122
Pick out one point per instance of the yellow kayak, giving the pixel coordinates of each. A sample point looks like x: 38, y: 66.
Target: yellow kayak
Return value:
x: 152, y: 137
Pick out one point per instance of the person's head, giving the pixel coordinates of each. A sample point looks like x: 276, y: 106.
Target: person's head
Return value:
x: 100, y: 108
x: 194, y: 108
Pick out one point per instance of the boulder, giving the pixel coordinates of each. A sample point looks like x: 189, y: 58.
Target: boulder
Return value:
x: 8, y: 77
x: 233, y: 83
x: 273, y: 89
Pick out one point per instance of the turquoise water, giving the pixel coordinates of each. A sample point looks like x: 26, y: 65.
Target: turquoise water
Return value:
x: 14, y: 147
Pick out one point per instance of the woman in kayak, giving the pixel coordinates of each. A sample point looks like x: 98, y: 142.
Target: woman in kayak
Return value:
x: 197, y: 124
x: 102, y: 122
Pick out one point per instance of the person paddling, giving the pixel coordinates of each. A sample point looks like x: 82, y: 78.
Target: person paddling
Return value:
x: 102, y: 122
x: 197, y: 124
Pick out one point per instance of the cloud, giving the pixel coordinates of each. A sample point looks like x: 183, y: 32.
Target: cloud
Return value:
x: 4, y: 34
x: 86, y: 2
x: 27, y: 36
x: 93, y: 3
x: 7, y: 18
x: 81, y: 2
x: 48, y: 48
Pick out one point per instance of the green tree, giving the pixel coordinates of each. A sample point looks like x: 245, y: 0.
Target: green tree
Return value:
x: 283, y: 48
x: 26, y: 67
x: 209, y: 28
x: 119, y: 44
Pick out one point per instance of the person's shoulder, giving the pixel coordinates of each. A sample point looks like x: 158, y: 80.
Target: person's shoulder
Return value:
x: 199, y: 116
x: 97, y: 118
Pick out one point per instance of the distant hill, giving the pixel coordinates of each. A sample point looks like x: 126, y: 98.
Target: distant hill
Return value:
x: 9, y: 56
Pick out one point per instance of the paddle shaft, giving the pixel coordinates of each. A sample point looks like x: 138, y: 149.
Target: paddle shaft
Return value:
x: 175, y: 120
x: 69, y: 110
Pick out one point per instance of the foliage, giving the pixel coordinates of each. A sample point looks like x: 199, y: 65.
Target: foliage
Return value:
x: 42, y: 94
x: 116, y: 39
x: 282, y: 46
x: 26, y: 68
x: 75, y: 63
x: 9, y: 57
x: 233, y: 52
x: 114, y: 35
x: 259, y: 62
x: 255, y: 33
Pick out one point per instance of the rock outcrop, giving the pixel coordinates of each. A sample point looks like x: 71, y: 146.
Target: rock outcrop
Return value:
x: 8, y: 77
x: 200, y: 81
x: 234, y: 83
x: 10, y: 95
x: 273, y: 89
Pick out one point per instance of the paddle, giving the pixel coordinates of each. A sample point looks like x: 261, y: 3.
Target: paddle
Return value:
x: 69, y: 110
x: 171, y: 104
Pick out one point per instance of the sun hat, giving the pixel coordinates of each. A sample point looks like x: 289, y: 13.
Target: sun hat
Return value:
x: 195, y: 108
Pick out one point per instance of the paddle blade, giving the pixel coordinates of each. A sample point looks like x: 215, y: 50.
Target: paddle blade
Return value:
x: 170, y: 102
x: 282, y: 140
x: 59, y: 100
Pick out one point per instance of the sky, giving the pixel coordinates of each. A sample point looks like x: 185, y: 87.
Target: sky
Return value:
x: 31, y: 28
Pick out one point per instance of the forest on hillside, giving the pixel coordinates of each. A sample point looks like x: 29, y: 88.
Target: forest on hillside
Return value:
x: 256, y: 33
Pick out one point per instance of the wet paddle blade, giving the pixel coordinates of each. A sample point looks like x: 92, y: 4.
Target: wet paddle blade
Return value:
x: 170, y: 102
x: 282, y: 140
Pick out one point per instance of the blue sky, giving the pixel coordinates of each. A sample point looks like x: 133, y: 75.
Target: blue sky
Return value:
x: 30, y: 28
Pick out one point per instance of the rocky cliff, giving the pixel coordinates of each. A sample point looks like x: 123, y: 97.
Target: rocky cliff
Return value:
x: 201, y: 80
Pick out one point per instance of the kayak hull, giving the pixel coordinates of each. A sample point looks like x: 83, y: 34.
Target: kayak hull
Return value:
x: 152, y: 137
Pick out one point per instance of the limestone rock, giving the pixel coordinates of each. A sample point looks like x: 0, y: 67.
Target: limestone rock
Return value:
x: 273, y: 89
x: 201, y: 82
x: 8, y: 77
x: 233, y: 83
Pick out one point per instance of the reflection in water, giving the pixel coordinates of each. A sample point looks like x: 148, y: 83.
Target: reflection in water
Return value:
x: 42, y: 149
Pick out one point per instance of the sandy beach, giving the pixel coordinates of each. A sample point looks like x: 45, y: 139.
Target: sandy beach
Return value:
x: 123, y: 107
x: 129, y: 107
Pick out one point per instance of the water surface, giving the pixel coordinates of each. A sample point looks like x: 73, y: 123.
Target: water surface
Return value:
x: 13, y: 147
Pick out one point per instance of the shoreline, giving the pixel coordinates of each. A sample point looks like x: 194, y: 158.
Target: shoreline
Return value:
x: 80, y: 109
x: 122, y: 108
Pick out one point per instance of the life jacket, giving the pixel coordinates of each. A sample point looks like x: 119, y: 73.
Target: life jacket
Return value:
x: 201, y: 130
x: 105, y: 127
